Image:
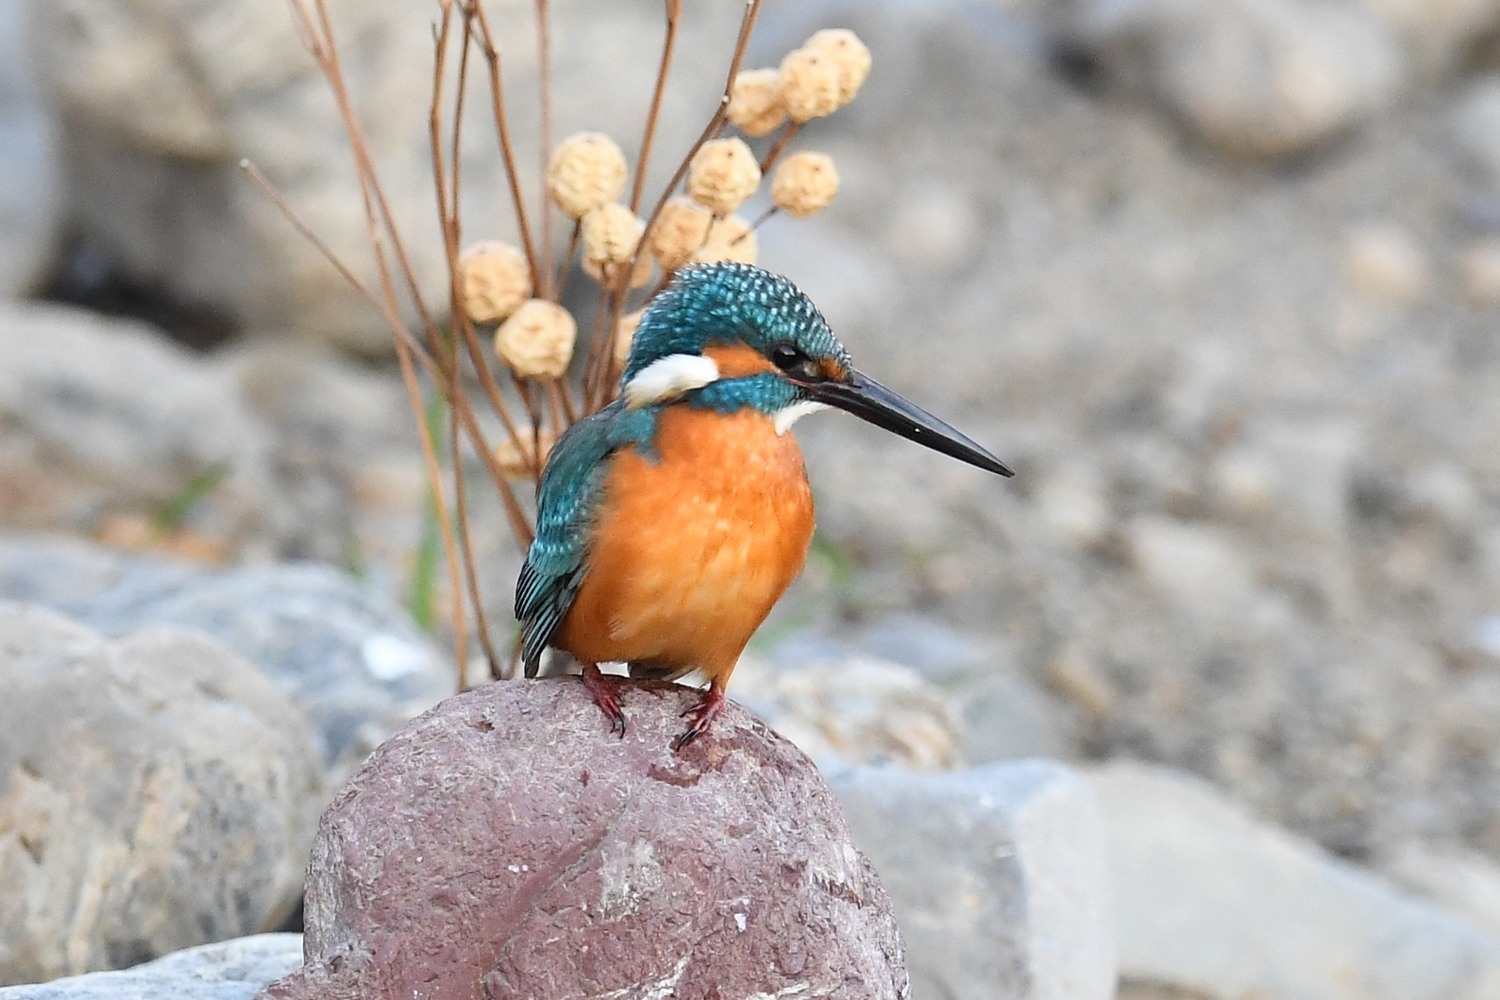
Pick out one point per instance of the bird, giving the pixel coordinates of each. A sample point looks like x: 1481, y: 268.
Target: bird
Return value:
x: 670, y: 521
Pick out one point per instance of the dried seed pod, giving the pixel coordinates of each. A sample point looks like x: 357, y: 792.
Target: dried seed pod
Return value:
x: 849, y: 54
x: 625, y: 336
x: 611, y: 275
x: 805, y: 184
x: 809, y: 84
x: 524, y: 459
x: 537, y: 340
x: 680, y: 231
x: 610, y: 234
x: 586, y: 171
x: 729, y: 239
x: 495, y: 280
x: 755, y: 102
x: 723, y: 174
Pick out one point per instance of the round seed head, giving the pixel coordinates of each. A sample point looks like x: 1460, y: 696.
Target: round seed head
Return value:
x: 805, y: 184
x: 849, y: 54
x: 610, y: 234
x: 723, y: 174
x: 612, y: 275
x: 586, y: 171
x: 809, y: 84
x: 625, y: 336
x: 495, y: 280
x: 524, y: 459
x: 755, y: 102
x: 729, y: 239
x: 679, y: 233
x: 537, y: 340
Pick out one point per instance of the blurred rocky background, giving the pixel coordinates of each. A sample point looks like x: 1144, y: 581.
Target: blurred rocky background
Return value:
x: 1221, y: 280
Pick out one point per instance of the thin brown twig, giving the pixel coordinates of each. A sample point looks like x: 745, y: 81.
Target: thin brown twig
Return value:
x: 669, y: 42
x: 566, y: 267
x: 712, y: 129
x: 507, y: 150
x: 303, y: 229
x: 544, y: 72
x: 782, y: 141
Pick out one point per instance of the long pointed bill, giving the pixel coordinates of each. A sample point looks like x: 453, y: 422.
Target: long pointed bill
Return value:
x: 869, y: 400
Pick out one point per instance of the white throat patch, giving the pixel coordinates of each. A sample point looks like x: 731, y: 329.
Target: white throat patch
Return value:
x: 669, y: 377
x: 788, y: 415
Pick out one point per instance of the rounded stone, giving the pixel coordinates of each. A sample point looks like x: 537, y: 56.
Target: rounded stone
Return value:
x: 506, y: 845
x: 156, y: 792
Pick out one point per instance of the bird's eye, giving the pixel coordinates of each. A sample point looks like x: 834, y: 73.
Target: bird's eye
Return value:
x: 791, y: 360
x: 786, y: 357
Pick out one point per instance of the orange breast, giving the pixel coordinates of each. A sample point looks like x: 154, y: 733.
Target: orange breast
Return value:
x: 689, y: 553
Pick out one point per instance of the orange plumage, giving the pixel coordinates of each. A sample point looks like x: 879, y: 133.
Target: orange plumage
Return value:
x: 691, y: 551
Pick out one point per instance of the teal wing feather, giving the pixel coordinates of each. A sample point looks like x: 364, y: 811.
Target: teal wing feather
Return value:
x: 570, y: 494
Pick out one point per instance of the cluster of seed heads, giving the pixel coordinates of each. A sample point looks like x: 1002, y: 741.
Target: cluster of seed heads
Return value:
x: 586, y: 178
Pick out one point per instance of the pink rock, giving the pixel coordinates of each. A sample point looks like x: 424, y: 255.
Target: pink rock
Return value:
x: 506, y: 845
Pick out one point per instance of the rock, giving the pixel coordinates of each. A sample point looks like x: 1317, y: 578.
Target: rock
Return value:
x: 1266, y: 78
x: 1298, y: 470
x: 506, y: 842
x: 156, y: 112
x: 1439, y: 35
x: 158, y: 103
x: 28, y: 181
x: 227, y: 970
x: 1466, y: 882
x: 1209, y: 899
x: 1196, y: 566
x: 859, y: 710
x: 158, y: 793
x: 354, y: 665
x: 1474, y: 123
x: 999, y: 877
x: 970, y: 692
x: 103, y: 414
x: 1383, y: 262
x: 1479, y: 271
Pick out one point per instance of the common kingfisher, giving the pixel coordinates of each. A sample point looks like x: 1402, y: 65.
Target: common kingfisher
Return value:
x: 670, y: 521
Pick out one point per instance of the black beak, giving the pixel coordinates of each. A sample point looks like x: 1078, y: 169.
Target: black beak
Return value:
x: 869, y: 400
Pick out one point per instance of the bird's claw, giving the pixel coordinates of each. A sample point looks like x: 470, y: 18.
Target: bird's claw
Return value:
x: 604, y: 696
x: 702, y: 714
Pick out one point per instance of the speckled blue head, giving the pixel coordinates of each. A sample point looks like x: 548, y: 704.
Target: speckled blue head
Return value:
x: 806, y: 368
x: 730, y: 303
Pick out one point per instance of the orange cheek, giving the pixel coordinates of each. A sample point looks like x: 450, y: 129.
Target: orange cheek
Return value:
x: 832, y: 370
x: 738, y: 361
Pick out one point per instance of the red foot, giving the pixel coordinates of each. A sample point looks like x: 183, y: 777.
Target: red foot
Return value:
x: 605, y: 697
x: 702, y: 714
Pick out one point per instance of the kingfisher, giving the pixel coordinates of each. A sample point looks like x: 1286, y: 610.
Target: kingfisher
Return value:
x: 671, y: 521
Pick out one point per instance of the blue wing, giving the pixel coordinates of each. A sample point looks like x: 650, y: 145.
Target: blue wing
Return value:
x: 570, y: 493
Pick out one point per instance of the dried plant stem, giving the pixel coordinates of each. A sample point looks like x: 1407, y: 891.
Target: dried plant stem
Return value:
x: 502, y: 127
x: 317, y: 35
x: 669, y: 43
x: 773, y: 210
x: 544, y: 74
x: 594, y: 376
x: 566, y: 267
x: 782, y: 141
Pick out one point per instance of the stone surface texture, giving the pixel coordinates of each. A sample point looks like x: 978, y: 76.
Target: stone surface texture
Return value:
x: 354, y: 666
x: 999, y: 876
x: 155, y: 792
x: 505, y: 844
x: 227, y: 970
x: 1213, y: 901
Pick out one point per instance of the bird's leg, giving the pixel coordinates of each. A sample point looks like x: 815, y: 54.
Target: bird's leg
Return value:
x: 702, y: 715
x: 604, y: 696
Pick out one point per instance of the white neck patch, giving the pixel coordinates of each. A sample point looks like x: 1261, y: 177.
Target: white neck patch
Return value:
x: 788, y: 415
x: 669, y: 377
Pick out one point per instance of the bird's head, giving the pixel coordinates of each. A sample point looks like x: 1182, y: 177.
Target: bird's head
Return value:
x: 729, y: 336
